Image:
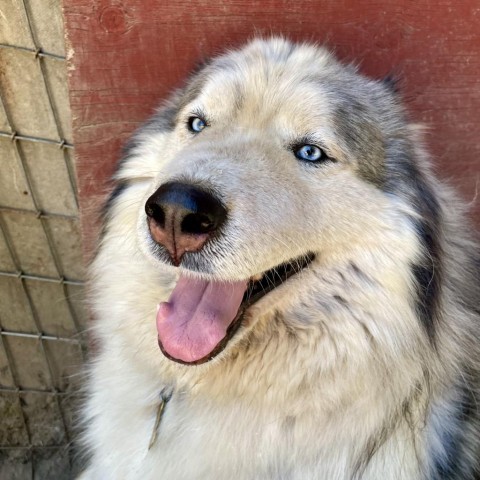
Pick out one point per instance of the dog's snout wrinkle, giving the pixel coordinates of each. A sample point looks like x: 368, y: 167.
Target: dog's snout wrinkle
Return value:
x: 182, y: 217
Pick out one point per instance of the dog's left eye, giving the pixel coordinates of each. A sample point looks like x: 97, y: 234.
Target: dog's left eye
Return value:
x: 196, y: 124
x: 310, y: 153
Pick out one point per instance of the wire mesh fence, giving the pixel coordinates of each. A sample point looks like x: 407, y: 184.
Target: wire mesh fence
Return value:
x: 41, y: 318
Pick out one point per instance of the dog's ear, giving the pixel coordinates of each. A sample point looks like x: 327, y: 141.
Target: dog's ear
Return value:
x: 393, y: 82
x: 200, y: 65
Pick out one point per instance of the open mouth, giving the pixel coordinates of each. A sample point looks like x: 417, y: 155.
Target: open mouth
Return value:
x: 201, y: 316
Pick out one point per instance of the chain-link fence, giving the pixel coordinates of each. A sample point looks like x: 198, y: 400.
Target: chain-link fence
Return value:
x: 41, y: 314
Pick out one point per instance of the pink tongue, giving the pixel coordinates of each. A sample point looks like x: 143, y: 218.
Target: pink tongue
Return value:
x: 196, y: 317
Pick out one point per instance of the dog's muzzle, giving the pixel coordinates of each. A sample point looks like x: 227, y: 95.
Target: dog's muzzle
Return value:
x: 202, y: 314
x: 182, y: 217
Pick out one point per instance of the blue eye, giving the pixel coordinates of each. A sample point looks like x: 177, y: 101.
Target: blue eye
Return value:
x: 309, y: 153
x: 196, y: 124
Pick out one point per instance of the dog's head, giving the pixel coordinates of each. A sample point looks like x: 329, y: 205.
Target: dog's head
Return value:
x: 272, y: 159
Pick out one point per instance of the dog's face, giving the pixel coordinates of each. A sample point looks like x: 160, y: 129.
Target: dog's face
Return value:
x: 271, y: 158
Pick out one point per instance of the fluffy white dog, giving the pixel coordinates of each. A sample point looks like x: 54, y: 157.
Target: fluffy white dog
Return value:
x: 283, y: 290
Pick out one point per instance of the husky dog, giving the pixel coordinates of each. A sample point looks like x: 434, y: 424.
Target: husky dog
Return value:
x: 283, y: 289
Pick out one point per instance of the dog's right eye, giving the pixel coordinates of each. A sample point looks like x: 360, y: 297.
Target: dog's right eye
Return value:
x: 196, y: 124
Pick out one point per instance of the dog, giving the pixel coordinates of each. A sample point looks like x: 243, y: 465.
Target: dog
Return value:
x: 283, y: 289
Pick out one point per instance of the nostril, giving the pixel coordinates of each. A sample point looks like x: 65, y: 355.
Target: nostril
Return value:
x: 155, y: 211
x: 198, y: 223
x: 184, y: 217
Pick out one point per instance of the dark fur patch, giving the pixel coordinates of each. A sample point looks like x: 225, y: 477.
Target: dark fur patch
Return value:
x: 163, y: 120
x: 457, y: 463
x: 105, y: 214
x: 404, y: 179
x: 340, y: 300
x: 428, y: 282
x: 361, y: 274
x: 426, y: 277
x: 363, y: 138
x: 373, y: 445
x: 392, y: 82
x: 194, y: 86
x: 114, y: 194
x: 468, y: 294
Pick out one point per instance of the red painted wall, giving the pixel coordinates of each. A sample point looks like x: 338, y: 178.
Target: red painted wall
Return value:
x: 126, y: 55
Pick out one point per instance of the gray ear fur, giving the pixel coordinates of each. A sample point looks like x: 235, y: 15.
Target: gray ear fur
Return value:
x: 393, y: 82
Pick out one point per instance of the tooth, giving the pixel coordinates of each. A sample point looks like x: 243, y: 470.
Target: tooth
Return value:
x: 257, y: 277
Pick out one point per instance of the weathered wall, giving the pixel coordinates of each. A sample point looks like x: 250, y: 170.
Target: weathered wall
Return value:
x: 41, y: 268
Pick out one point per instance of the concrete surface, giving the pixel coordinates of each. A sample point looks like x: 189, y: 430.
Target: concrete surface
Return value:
x: 38, y: 378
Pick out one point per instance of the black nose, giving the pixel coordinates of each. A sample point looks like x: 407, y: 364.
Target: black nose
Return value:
x: 182, y: 217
